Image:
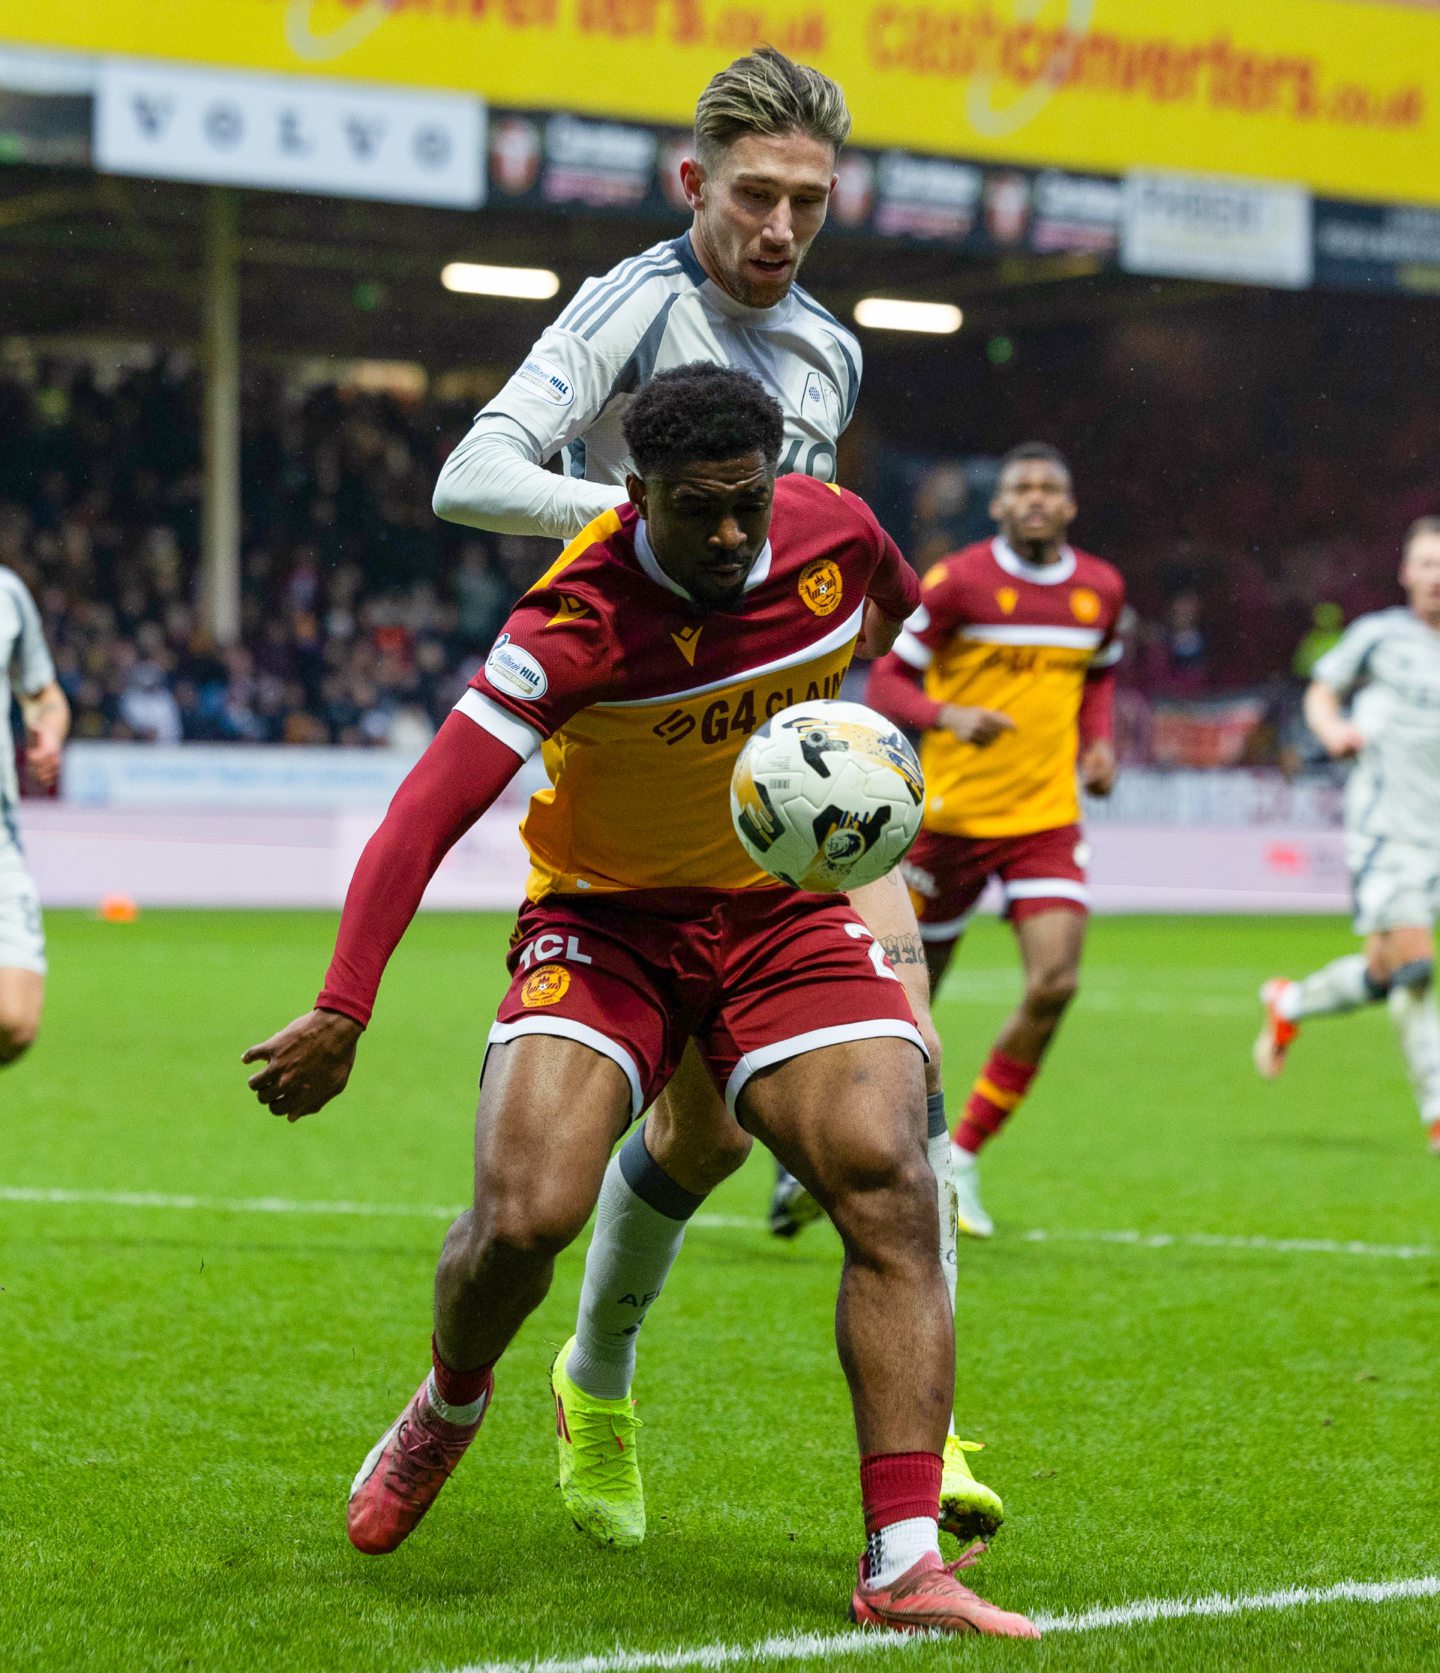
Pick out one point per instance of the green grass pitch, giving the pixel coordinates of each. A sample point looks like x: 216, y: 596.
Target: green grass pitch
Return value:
x: 188, y: 1390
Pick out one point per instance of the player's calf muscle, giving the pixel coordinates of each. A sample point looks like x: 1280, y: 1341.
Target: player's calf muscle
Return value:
x: 21, y: 995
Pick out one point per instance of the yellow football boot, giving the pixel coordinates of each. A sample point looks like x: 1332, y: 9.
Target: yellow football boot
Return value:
x: 599, y: 1462
x: 968, y: 1508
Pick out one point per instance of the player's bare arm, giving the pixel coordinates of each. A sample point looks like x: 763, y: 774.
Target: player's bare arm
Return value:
x: 306, y: 1064
x: 1097, y: 767
x: 878, y: 633
x: 1340, y: 737
x: 463, y: 770
x: 47, y: 725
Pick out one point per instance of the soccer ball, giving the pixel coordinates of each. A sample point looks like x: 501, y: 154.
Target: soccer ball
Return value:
x: 827, y: 795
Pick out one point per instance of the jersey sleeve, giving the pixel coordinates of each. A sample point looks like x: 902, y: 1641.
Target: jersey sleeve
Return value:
x: 940, y: 611
x: 1346, y: 665
x: 558, y: 392
x: 592, y: 350
x: 555, y: 656
x: 1112, y: 646
x: 894, y: 587
x: 450, y: 786
x: 31, y: 667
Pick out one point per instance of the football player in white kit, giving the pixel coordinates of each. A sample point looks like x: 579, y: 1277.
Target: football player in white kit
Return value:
x: 1386, y: 671
x: 767, y: 135
x: 30, y: 678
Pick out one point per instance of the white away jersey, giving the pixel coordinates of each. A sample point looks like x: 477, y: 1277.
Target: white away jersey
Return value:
x: 28, y: 669
x: 660, y: 310
x: 1388, y: 666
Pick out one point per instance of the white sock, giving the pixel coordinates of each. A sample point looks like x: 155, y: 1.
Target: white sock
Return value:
x: 1417, y: 1021
x: 639, y: 1227
x: 1342, y: 985
x: 938, y: 1150
x: 471, y: 1413
x: 890, y: 1551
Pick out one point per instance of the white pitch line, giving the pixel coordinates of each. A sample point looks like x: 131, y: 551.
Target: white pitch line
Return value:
x: 62, y: 1196
x: 820, y: 1646
x: 1263, y: 1245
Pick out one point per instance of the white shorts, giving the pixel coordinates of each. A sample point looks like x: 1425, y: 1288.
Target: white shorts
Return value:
x: 22, y: 935
x: 1396, y: 884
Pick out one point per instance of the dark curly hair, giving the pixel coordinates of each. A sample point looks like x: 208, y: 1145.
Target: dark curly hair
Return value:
x: 701, y: 412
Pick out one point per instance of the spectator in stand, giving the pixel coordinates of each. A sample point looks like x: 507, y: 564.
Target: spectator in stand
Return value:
x: 1177, y: 655
x: 1327, y: 626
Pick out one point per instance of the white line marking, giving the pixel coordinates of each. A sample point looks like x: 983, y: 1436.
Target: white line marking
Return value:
x: 222, y: 1205
x: 819, y: 1646
x: 1264, y: 1245
x: 48, y: 1195
x: 1097, y: 997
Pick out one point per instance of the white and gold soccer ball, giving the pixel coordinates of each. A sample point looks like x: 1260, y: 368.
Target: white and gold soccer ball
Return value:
x: 827, y: 795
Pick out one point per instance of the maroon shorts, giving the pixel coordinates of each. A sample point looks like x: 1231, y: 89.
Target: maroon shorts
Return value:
x: 1038, y: 872
x: 756, y: 976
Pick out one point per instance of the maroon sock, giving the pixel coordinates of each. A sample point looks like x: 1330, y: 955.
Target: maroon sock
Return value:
x: 998, y: 1089
x: 894, y: 1486
x: 459, y: 1388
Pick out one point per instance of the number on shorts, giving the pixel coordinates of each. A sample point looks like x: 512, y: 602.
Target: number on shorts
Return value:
x: 875, y: 950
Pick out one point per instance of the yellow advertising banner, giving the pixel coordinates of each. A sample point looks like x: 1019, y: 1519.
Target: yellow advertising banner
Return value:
x: 1342, y: 96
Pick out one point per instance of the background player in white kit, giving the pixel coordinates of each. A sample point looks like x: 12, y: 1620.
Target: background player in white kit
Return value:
x: 30, y: 678
x: 768, y: 132
x: 1386, y: 669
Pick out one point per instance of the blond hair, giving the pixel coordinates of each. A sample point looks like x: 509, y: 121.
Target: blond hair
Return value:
x: 1421, y: 525
x: 767, y: 93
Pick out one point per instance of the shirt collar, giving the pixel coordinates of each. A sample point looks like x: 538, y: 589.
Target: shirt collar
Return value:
x: 645, y: 557
x: 720, y: 298
x: 1044, y: 574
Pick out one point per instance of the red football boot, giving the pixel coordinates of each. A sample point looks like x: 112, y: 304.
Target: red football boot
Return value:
x: 928, y: 1598
x: 404, y: 1471
x: 1277, y: 1033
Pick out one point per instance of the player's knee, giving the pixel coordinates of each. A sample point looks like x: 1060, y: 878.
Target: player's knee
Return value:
x: 525, y: 1220
x: 696, y: 1161
x: 885, y: 1203
x: 1050, y: 990
x: 1417, y: 974
x: 726, y: 1155
x: 18, y: 1030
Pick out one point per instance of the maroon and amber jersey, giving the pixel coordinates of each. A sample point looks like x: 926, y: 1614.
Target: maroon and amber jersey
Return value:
x: 996, y: 632
x: 642, y: 699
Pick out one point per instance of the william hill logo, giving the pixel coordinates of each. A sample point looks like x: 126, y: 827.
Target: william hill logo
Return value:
x: 511, y: 669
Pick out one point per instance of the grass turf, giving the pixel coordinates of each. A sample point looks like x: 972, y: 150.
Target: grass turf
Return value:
x: 190, y: 1391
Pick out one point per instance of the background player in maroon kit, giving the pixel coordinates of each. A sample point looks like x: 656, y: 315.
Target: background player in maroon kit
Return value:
x: 640, y: 663
x: 1006, y: 671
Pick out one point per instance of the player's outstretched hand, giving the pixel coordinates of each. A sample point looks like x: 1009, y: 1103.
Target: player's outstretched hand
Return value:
x: 306, y: 1064
x: 1342, y: 739
x: 974, y: 726
x: 42, y: 757
x: 1097, y: 767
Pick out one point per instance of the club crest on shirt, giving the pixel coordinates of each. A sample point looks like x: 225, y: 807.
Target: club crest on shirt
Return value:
x: 820, y: 586
x: 545, y: 986
x: 820, y: 402
x: 1085, y: 604
x: 1007, y: 598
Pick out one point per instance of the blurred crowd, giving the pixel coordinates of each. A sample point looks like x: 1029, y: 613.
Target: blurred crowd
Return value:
x: 1244, y: 550
x: 363, y: 616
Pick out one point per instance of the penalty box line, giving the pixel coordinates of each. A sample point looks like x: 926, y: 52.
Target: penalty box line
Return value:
x: 60, y: 1196
x: 817, y: 1646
